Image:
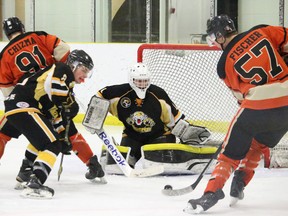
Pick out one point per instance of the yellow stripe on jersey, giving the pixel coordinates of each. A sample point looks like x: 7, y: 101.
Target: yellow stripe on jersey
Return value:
x: 3, y: 121
x: 32, y: 149
x: 58, y: 81
x: 40, y: 90
x: 47, y: 157
x: 59, y: 92
x: 166, y: 114
x: 43, y: 126
x: 15, y: 111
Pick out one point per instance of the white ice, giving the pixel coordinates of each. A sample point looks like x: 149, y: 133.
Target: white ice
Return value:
x: 74, y: 195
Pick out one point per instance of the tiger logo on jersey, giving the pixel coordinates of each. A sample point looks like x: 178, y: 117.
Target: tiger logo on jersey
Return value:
x: 140, y: 122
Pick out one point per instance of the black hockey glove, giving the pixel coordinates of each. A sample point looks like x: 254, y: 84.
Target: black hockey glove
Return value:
x: 70, y: 107
x: 70, y: 110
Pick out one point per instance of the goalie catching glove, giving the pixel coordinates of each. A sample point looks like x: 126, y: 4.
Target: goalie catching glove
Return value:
x: 190, y: 134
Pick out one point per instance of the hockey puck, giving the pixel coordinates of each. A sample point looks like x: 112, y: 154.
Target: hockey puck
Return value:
x: 168, y: 187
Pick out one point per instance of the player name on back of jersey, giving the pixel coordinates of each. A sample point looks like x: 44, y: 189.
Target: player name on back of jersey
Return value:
x: 20, y: 45
x: 245, y: 44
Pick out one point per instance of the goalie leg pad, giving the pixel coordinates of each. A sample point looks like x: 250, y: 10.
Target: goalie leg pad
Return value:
x: 124, y: 150
x: 177, y: 158
x: 176, y: 153
x: 109, y: 164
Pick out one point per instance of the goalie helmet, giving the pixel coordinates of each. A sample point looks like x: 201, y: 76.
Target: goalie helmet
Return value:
x: 12, y: 25
x: 218, y: 28
x: 140, y: 79
x: 80, y: 58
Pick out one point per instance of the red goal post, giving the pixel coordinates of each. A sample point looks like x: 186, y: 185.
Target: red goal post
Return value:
x: 188, y: 74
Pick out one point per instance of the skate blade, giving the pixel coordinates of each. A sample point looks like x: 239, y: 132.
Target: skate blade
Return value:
x: 36, y: 194
x: 190, y: 210
x: 101, y: 180
x: 233, y: 201
x: 20, y: 185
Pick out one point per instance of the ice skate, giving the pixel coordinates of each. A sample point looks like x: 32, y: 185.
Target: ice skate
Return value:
x: 95, y: 172
x: 35, y: 190
x: 23, y: 176
x: 209, y: 199
x: 237, y: 187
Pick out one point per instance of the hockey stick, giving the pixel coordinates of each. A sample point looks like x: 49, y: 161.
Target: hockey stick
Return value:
x: 66, y: 138
x: 93, y: 122
x: 169, y: 191
x: 122, y: 163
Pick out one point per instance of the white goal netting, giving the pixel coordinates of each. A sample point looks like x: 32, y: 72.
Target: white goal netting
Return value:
x: 188, y: 74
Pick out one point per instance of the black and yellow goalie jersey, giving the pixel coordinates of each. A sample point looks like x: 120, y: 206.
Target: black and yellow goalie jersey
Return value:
x: 43, y: 92
x: 143, y: 119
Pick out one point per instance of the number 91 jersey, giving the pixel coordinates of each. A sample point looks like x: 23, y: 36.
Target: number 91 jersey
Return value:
x: 252, y: 66
x: 29, y: 52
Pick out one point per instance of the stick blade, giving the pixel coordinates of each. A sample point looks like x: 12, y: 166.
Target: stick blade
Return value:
x: 147, y: 172
x: 177, y: 192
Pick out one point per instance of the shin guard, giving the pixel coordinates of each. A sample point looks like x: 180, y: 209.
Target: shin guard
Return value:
x: 223, y: 169
x: 251, y: 161
x: 81, y: 148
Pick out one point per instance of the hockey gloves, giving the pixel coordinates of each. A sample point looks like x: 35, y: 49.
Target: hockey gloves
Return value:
x: 190, y: 134
x: 70, y: 108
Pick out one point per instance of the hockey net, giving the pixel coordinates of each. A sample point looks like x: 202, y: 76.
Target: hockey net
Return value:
x: 188, y: 74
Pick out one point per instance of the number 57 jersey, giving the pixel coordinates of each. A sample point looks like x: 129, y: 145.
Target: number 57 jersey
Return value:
x: 253, y: 67
x: 28, y: 53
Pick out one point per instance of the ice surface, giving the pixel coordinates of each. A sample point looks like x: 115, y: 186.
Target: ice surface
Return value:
x: 74, y: 195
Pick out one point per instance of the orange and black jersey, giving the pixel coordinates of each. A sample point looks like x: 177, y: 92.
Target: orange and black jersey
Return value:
x: 30, y: 52
x: 144, y: 119
x: 253, y: 68
x: 43, y: 92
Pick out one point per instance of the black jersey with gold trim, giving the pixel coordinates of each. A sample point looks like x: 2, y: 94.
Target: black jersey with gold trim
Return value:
x: 42, y: 91
x: 144, y: 119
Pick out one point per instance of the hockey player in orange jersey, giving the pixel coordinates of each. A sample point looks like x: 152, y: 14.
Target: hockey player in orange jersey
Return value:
x: 252, y: 67
x: 25, y: 54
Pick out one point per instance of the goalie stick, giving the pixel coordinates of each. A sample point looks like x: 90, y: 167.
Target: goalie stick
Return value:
x: 169, y: 191
x: 93, y: 122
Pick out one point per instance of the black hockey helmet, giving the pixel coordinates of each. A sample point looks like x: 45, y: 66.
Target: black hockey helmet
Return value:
x: 77, y: 57
x: 220, y: 26
x: 12, y: 25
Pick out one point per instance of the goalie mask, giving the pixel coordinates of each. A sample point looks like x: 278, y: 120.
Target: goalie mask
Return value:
x: 12, y: 25
x: 140, y: 79
x: 79, y: 58
x: 218, y: 28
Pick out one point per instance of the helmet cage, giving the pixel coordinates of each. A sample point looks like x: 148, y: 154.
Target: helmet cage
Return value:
x: 140, y: 79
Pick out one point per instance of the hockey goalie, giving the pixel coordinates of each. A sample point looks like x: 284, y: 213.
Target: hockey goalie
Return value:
x: 152, y: 126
